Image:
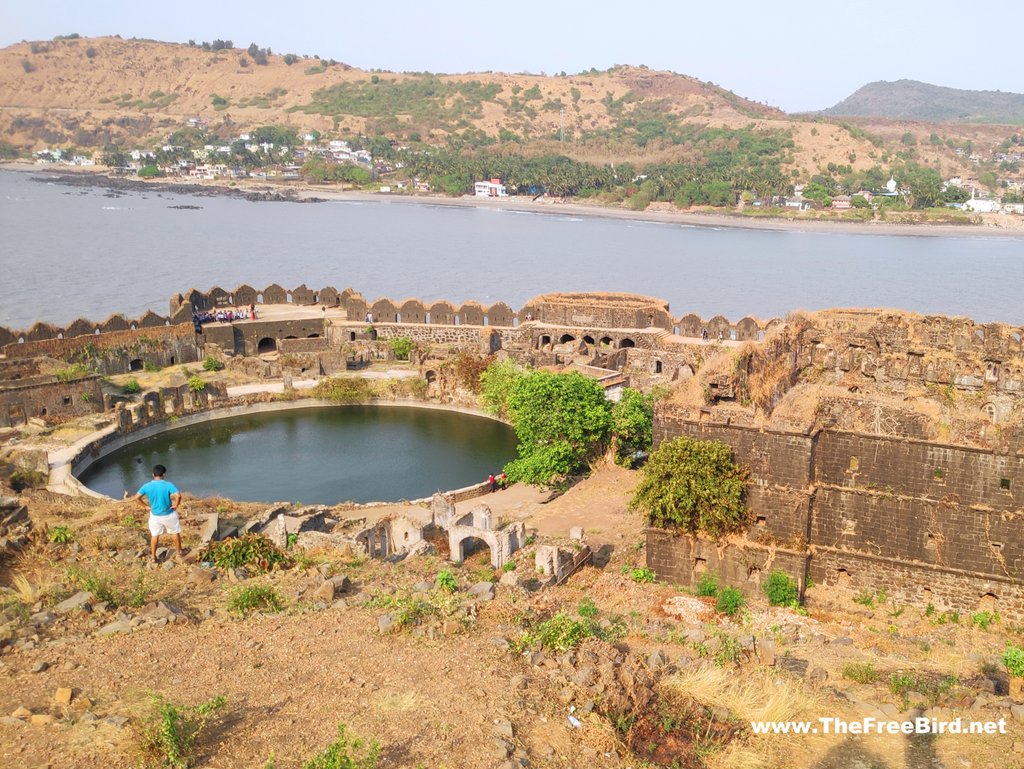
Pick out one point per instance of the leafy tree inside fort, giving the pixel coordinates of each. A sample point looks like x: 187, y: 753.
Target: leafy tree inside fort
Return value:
x: 694, y: 486
x: 562, y: 422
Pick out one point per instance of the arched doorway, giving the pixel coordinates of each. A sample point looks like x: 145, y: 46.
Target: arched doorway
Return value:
x: 627, y: 342
x: 135, y: 364
x: 566, y: 338
x: 475, y: 549
x: 265, y: 345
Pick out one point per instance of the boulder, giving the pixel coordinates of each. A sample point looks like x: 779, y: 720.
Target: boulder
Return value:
x: 208, y: 528
x: 62, y: 696
x: 42, y: 618
x: 324, y: 593
x: 483, y: 590
x: 117, y: 626
x: 201, y: 576
x: 509, y: 579
x: 160, y: 610
x: 79, y: 600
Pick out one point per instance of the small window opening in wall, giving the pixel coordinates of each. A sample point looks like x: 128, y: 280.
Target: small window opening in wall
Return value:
x: 761, y: 521
x: 67, y: 400
x: 1004, y: 483
x: 939, y: 474
x: 997, y: 547
x: 854, y: 464
x: 657, y: 367
x: 351, y: 336
x: 930, y: 542
x: 754, y: 574
x: 700, y: 565
x: 842, y: 577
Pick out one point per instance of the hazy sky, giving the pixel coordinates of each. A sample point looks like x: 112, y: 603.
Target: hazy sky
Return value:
x: 793, y: 55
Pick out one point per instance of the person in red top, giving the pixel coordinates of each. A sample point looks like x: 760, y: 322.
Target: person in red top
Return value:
x: 493, y: 482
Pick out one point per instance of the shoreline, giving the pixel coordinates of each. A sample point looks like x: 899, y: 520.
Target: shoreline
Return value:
x: 263, y: 191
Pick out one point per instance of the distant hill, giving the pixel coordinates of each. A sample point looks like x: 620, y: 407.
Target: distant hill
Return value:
x: 913, y: 100
x: 93, y: 91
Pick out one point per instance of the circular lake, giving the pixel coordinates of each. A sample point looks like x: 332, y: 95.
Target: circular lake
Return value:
x: 315, y: 455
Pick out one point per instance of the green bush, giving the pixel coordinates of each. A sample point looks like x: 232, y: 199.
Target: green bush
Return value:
x: 643, y: 575
x: 402, y: 347
x: 861, y: 672
x: 73, y: 372
x: 170, y: 733
x: 446, y: 581
x: 587, y: 608
x: 900, y: 683
x: 694, y: 486
x: 196, y: 383
x: 1013, y: 658
x: 632, y: 425
x: 562, y: 632
x: 212, y: 364
x: 983, y: 619
x: 246, y: 599
x: 496, y: 384
x: 253, y: 550
x: 781, y: 589
x: 730, y: 601
x: 344, y: 390
x: 61, y: 535
x: 131, y: 387
x: 346, y: 753
x: 707, y: 585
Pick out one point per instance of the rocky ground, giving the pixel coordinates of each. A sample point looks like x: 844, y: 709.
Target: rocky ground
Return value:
x: 90, y: 633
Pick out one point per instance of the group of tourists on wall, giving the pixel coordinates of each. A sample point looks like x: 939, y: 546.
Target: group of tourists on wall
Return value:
x: 222, y: 316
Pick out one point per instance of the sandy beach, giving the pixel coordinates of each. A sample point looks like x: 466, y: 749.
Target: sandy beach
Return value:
x: 993, y: 225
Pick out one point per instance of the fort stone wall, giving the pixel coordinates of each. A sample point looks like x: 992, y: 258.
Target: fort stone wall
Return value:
x: 929, y: 522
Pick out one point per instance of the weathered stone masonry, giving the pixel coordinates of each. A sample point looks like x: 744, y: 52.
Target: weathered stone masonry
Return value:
x: 931, y: 523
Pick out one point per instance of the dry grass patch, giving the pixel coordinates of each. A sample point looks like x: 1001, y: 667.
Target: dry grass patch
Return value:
x: 397, y: 701
x: 759, y: 696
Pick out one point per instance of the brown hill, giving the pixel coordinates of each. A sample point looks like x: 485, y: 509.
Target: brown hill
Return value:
x: 91, y: 92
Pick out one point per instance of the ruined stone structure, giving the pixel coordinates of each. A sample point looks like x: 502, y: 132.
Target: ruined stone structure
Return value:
x: 931, y: 523
x: 894, y: 505
x: 36, y: 389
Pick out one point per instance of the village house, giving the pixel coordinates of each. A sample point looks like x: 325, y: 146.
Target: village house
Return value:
x: 492, y: 189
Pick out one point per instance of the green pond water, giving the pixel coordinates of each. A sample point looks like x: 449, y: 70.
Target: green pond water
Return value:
x: 316, y: 456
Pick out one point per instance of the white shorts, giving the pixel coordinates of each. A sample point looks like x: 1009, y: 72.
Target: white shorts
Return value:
x: 164, y: 524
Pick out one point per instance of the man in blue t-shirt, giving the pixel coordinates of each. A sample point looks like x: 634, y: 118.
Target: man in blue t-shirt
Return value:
x: 163, y: 499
